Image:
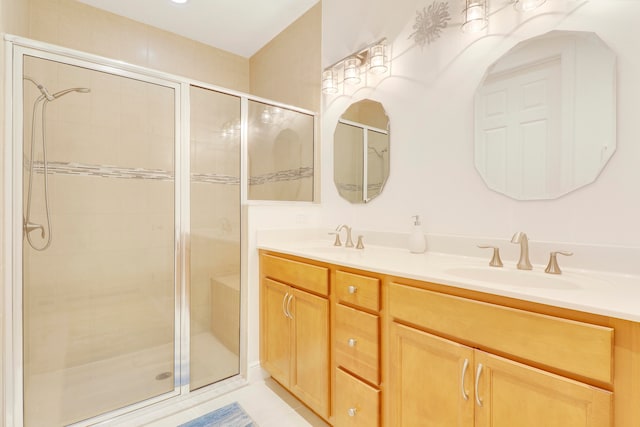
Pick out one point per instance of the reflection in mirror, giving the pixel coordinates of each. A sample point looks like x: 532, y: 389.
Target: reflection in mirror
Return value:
x: 545, y: 116
x: 280, y: 153
x: 361, y: 152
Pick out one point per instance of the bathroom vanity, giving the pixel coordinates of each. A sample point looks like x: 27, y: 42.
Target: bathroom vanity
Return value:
x: 388, y: 339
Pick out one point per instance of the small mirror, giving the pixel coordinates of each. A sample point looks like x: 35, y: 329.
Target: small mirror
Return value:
x: 361, y: 151
x: 545, y: 116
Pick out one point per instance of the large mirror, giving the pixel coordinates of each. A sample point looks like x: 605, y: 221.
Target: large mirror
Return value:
x: 545, y: 116
x: 361, y: 151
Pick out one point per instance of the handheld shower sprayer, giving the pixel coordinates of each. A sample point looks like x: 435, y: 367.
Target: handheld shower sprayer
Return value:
x: 29, y: 226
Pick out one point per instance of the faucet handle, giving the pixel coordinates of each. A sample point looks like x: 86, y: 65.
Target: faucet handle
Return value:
x: 360, y: 244
x: 337, y: 241
x: 552, y: 267
x: 495, y: 259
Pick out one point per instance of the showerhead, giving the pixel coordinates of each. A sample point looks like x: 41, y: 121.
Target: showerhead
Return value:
x: 66, y: 91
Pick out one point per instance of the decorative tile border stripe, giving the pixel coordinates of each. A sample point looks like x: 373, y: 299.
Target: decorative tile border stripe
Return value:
x: 358, y: 187
x: 103, y: 171
x: 288, y: 175
x: 109, y: 171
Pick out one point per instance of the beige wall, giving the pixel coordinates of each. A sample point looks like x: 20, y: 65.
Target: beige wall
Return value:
x: 75, y: 25
x: 288, y: 68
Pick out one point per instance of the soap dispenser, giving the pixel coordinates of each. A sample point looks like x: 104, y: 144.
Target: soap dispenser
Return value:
x: 417, y: 241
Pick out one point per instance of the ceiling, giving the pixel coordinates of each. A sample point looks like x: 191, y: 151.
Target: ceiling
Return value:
x: 238, y: 26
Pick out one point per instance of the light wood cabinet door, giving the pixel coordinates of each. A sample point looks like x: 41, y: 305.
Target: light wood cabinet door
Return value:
x: 513, y: 394
x: 430, y: 380
x: 275, y: 333
x: 310, y: 352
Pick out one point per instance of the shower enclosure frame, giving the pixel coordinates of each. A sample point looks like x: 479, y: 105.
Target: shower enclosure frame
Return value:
x: 15, y: 49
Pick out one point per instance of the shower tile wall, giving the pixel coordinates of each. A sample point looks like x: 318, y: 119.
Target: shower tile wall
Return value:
x: 215, y: 224
x: 104, y: 289
x: 281, y: 148
x: 215, y: 237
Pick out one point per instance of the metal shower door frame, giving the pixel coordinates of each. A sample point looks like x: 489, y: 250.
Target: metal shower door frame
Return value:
x: 16, y: 50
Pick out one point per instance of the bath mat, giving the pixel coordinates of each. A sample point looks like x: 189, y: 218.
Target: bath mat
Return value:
x: 231, y: 415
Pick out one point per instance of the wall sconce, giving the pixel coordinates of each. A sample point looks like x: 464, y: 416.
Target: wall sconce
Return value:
x: 378, y: 58
x: 352, y: 69
x: 527, y: 5
x: 329, y: 81
x: 475, y: 16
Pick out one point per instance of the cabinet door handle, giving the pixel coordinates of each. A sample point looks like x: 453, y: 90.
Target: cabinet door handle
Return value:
x: 284, y: 299
x: 352, y: 342
x: 289, y: 305
x: 478, y: 373
x: 465, y: 366
x: 352, y: 290
x: 352, y: 412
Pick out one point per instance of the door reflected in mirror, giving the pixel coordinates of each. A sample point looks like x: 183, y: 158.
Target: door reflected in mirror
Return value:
x: 545, y: 116
x: 361, y: 151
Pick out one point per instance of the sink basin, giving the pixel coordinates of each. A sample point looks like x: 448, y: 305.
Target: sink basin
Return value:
x: 517, y: 278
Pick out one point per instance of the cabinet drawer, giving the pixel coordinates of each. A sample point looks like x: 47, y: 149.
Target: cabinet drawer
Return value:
x: 358, y: 290
x: 356, y: 342
x: 356, y: 404
x: 299, y: 274
x: 567, y: 345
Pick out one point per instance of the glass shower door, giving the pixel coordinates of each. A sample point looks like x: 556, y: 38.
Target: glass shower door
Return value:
x: 99, y: 293
x: 215, y: 237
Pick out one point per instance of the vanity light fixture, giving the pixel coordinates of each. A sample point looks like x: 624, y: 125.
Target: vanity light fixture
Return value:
x: 353, y: 69
x: 179, y: 1
x: 378, y: 58
x: 527, y: 5
x: 330, y: 81
x: 475, y: 16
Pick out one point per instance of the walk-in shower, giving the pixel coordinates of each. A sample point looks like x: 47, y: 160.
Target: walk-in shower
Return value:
x: 135, y: 300
x: 41, y: 101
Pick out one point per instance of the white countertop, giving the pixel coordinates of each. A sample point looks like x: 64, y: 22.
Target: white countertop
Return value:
x: 604, y: 293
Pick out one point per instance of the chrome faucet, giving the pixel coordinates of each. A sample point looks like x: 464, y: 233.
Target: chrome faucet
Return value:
x: 523, y: 262
x: 349, y: 243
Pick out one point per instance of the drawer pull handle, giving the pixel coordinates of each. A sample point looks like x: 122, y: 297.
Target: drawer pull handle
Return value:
x: 465, y: 366
x: 352, y: 412
x: 352, y: 342
x: 289, y: 305
x: 478, y: 373
x: 284, y: 309
x: 352, y: 289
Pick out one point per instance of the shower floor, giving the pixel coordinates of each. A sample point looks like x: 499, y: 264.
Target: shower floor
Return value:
x: 70, y: 395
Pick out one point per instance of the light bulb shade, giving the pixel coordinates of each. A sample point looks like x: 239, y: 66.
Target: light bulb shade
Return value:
x: 329, y: 81
x: 378, y: 59
x: 475, y: 16
x: 527, y: 5
x: 352, y: 71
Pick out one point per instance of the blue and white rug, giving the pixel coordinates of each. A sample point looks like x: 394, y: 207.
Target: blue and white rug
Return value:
x: 231, y: 415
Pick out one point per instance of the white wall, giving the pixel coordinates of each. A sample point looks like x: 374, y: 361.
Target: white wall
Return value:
x: 429, y: 98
